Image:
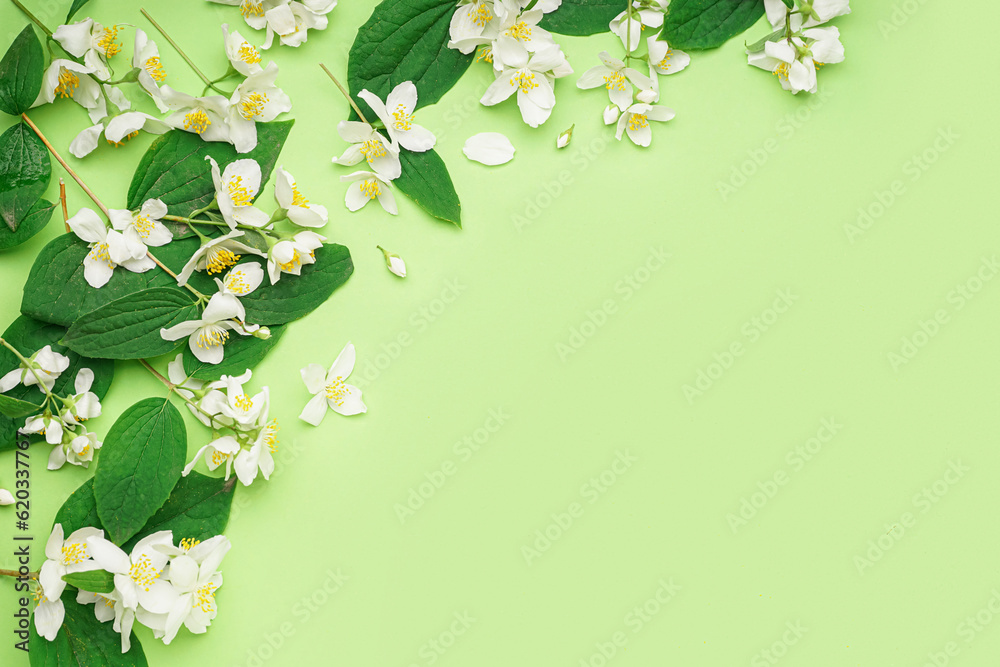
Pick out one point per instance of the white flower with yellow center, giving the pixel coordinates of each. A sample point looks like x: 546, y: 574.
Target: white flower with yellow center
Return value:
x: 47, y: 365
x: 259, y: 457
x: 630, y: 29
x: 207, y: 335
x: 222, y: 450
x: 397, y: 116
x: 63, y: 556
x: 65, y: 78
x: 635, y: 122
x: 613, y: 75
x: 204, y: 116
x: 47, y: 424
x: 300, y: 211
x: 811, y: 12
x: 253, y: 10
x: 518, y: 35
x: 329, y: 389
x: 242, y: 279
x: 665, y: 60
x: 256, y: 99
x: 365, y: 186
x: 235, y: 190
x: 138, y: 575
x: 217, y: 255
x: 108, y: 249
x: 532, y: 81
x: 474, y: 22
x: 207, y: 397
x: 76, y: 449
x: 84, y: 404
x: 243, y: 56
x: 241, y: 410
x: 116, y: 131
x: 142, y: 228
x: 794, y: 60
x: 292, y: 21
x: 370, y: 145
x: 290, y: 255
x: 146, y: 58
x: 91, y: 41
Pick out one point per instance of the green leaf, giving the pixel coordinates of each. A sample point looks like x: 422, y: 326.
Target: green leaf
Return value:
x: 141, y: 461
x: 74, y: 8
x: 95, y: 581
x: 242, y: 353
x: 15, y: 407
x: 129, y: 327
x: 21, y: 73
x: 706, y: 24
x: 175, y: 170
x: 198, y: 508
x: 582, y: 17
x: 406, y: 40
x: 28, y: 336
x: 24, y: 173
x: 425, y: 180
x: 83, y: 641
x: 773, y: 37
x: 79, y: 510
x: 33, y: 222
x: 293, y: 297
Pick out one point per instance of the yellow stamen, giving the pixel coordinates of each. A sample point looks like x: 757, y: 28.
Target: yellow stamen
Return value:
x: 244, y: 403
x: 143, y: 225
x: 404, y: 119
x: 107, y: 42
x: 337, y: 391
x: 251, y: 8
x: 74, y: 554
x: 637, y: 121
x: 781, y: 71
x: 271, y: 435
x: 240, y: 195
x: 189, y: 543
x: 155, y: 69
x: 212, y: 337
x: 220, y: 259
x: 253, y: 105
x: 615, y: 81
x: 297, y: 197
x: 236, y: 283
x: 372, y: 149
x: 663, y: 64
x: 127, y: 137
x: 218, y: 458
x: 370, y: 188
x: 482, y: 15
x: 197, y: 121
x: 292, y: 264
x: 485, y: 55
x: 68, y: 83
x: 249, y: 54
x: 143, y: 573
x: 204, y: 598
x: 524, y: 79
x: 99, y: 252
x: 520, y: 31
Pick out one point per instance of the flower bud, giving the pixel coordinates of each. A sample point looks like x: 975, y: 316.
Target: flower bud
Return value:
x: 394, y: 262
x: 565, y: 138
x: 647, y: 96
x: 6, y: 498
x: 611, y: 114
x: 263, y: 333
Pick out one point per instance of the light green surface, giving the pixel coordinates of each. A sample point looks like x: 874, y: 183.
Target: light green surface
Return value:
x: 330, y: 506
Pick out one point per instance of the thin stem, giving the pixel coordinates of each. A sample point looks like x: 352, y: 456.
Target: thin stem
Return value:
x: 346, y: 94
x: 183, y: 55
x: 27, y: 364
x: 16, y: 574
x: 33, y: 18
x: 628, y: 31
x: 62, y: 198
x: 90, y: 193
x: 172, y: 388
x: 214, y: 223
x: 170, y: 385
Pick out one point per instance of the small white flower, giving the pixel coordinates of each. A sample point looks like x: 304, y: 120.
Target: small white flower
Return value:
x: 258, y: 458
x: 292, y: 21
x: 76, y: 449
x: 108, y: 249
x: 253, y: 10
x: 84, y: 404
x: 635, y: 122
x: 242, y: 279
x: 489, y: 148
x: 116, y: 131
x: 138, y: 576
x: 611, y: 113
x: 207, y: 335
x: 300, y: 211
x: 6, y: 497
x: 394, y: 262
x: 142, y: 228
x: 91, y: 41
x: 243, y: 56
x: 66, y: 78
x: 63, y: 557
x: 204, y: 116
x: 221, y: 450
x: 290, y: 255
x: 217, y: 255
x: 397, y: 116
x: 207, y: 397
x: 49, y: 425
x: 794, y: 60
x: 256, y: 99
x: 329, y: 389
x: 615, y: 76
x: 146, y: 57
x: 370, y: 145
x: 47, y: 364
x: 365, y: 186
x: 474, y: 22
x: 532, y: 83
x: 664, y: 59
x: 562, y: 141
x: 519, y: 36
x: 235, y: 190
x: 630, y: 31
x: 815, y: 11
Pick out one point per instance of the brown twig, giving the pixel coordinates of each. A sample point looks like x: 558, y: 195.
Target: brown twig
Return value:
x: 346, y: 94
x: 62, y: 198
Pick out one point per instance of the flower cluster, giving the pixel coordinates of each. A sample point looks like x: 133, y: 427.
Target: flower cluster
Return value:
x: 290, y: 20
x: 525, y: 58
x: 381, y: 150
x: 798, y: 47
x: 244, y: 435
x: 161, y: 585
x: 61, y: 417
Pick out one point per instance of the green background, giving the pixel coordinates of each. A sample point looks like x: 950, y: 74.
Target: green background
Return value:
x: 914, y: 72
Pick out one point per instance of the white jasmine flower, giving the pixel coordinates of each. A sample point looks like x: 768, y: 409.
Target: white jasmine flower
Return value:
x: 397, y: 116
x: 394, y: 262
x: 292, y: 21
x: 615, y: 76
x: 107, y: 607
x: 108, y: 249
x: 76, y: 449
x: 207, y: 335
x: 489, y: 148
x: 6, y: 497
x: 635, y: 122
x: 290, y: 255
x: 253, y: 10
x: 204, y: 116
x: 47, y: 364
x: 535, y: 92
x: 243, y: 56
x: 195, y: 577
x: 611, y: 113
x: 142, y: 228
x: 794, y: 60
x: 116, y: 131
x: 300, y: 211
x: 329, y: 389
x: 814, y: 11
x: 630, y: 30
x: 63, y: 557
x: 242, y: 279
x: 217, y: 255
x: 259, y: 457
x: 207, y: 397
x: 235, y: 190
x: 365, y: 186
x: 240, y: 409
x: 91, y: 41
x: 368, y: 144
x: 137, y: 575
x: 221, y: 450
x: 562, y: 141
x: 66, y: 78
x: 146, y: 57
x: 665, y: 60
x: 473, y: 22
x: 256, y: 99
x: 519, y: 36
x: 49, y: 425
x: 84, y: 404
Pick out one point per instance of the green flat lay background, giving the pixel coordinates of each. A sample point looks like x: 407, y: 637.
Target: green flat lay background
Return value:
x: 867, y: 484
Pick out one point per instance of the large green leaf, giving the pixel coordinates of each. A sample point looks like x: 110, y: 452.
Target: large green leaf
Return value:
x: 24, y: 173
x: 29, y: 336
x: 425, y: 180
x: 79, y: 510
x: 198, y: 508
x: 175, y: 170
x: 33, y: 222
x: 83, y: 641
x: 242, y: 353
x: 406, y: 40
x: 21, y: 73
x: 129, y: 327
x: 293, y: 297
x: 141, y: 461
x: 582, y: 17
x: 15, y: 407
x: 706, y: 24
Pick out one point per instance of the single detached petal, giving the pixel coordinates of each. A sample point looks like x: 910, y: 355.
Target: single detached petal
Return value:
x: 489, y: 148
